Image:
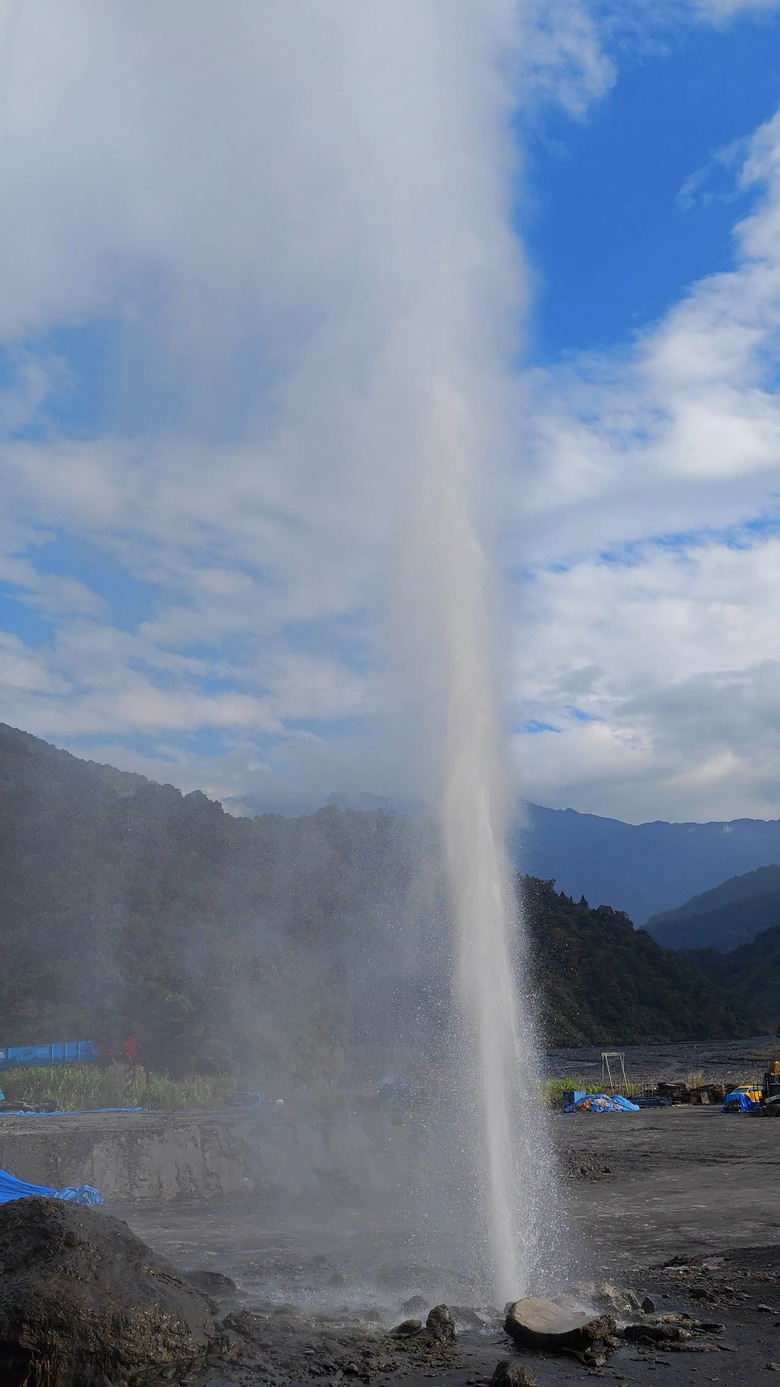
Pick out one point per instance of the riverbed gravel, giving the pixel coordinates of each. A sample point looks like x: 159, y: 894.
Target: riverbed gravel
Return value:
x: 680, y: 1206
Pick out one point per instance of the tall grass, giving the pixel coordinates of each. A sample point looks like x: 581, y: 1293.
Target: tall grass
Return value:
x: 552, y: 1090
x: 73, y: 1087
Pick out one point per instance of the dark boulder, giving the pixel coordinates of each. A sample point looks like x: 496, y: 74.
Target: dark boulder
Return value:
x: 213, y: 1283
x: 83, y: 1300
x: 441, y: 1324
x: 415, y: 1305
x: 511, y: 1374
x: 406, y: 1329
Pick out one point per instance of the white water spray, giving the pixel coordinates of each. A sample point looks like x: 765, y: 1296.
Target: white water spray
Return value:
x: 496, y: 1068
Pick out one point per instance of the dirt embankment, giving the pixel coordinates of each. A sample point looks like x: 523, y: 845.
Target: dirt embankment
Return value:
x: 199, y: 1157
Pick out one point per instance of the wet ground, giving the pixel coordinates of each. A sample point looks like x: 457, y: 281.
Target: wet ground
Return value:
x: 318, y: 1289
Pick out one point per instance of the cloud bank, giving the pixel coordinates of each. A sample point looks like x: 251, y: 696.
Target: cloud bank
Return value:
x: 237, y: 248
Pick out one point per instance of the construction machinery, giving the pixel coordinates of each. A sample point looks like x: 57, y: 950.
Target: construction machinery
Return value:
x: 770, y: 1091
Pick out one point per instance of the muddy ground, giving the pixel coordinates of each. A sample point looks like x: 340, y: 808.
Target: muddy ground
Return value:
x: 317, y: 1288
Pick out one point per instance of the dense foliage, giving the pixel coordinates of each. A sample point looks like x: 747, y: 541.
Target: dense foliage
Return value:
x: 603, y: 981
x: 274, y: 948
x: 751, y: 974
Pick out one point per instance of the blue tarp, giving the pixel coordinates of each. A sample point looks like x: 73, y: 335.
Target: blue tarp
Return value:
x: 739, y: 1102
x: 11, y: 1188
x: 599, y: 1102
x: 62, y: 1052
x: 64, y: 1112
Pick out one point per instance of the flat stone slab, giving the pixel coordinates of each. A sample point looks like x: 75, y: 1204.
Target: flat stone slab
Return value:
x: 538, y: 1323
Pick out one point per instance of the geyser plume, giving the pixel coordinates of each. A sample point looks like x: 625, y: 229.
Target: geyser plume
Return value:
x: 508, y: 1174
x: 307, y: 243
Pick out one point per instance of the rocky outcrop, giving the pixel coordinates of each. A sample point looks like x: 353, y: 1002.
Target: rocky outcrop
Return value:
x: 537, y: 1323
x: 441, y: 1324
x: 509, y: 1374
x: 83, y: 1300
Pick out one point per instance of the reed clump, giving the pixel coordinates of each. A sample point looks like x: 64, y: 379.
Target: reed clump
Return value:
x: 78, y: 1087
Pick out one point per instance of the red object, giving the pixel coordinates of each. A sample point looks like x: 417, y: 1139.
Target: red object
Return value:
x: 130, y: 1049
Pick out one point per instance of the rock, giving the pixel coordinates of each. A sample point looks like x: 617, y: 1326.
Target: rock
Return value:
x: 464, y: 1316
x: 441, y: 1324
x: 656, y: 1333
x: 212, y: 1282
x: 619, y: 1302
x: 82, y: 1299
x: 767, y: 1309
x: 538, y: 1323
x: 773, y: 1367
x: 406, y: 1329
x: 510, y: 1374
x: 648, y: 1305
x: 415, y: 1305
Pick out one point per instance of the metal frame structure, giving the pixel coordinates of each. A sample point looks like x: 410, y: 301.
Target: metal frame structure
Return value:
x: 618, y: 1058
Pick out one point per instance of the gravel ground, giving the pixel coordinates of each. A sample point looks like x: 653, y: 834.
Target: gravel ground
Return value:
x: 719, y: 1060
x: 317, y: 1290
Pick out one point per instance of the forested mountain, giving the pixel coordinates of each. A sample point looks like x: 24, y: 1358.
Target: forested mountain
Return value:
x: 603, y: 979
x: 273, y: 946
x: 725, y: 918
x: 751, y: 974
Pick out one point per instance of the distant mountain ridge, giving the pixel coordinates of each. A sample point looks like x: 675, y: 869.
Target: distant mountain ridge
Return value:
x: 270, y: 946
x: 761, y: 882
x: 725, y: 918
x: 642, y: 869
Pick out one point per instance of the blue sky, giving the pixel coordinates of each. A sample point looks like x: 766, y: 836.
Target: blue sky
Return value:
x: 611, y: 243
x: 226, y: 298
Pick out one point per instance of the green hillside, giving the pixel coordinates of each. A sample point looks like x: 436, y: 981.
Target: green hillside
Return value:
x: 751, y: 973
x: 604, y: 981
x: 272, y: 946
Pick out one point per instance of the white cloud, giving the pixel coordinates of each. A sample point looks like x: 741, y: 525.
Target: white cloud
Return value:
x: 717, y: 10
x: 297, y: 219
x: 654, y: 510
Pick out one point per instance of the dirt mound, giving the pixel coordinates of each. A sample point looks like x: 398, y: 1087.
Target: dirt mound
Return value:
x: 83, y: 1300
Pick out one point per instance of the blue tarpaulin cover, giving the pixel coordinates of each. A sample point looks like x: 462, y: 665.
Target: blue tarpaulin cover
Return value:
x: 62, y: 1052
x: 600, y: 1102
x: 65, y: 1112
x: 11, y: 1188
x: 739, y: 1102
